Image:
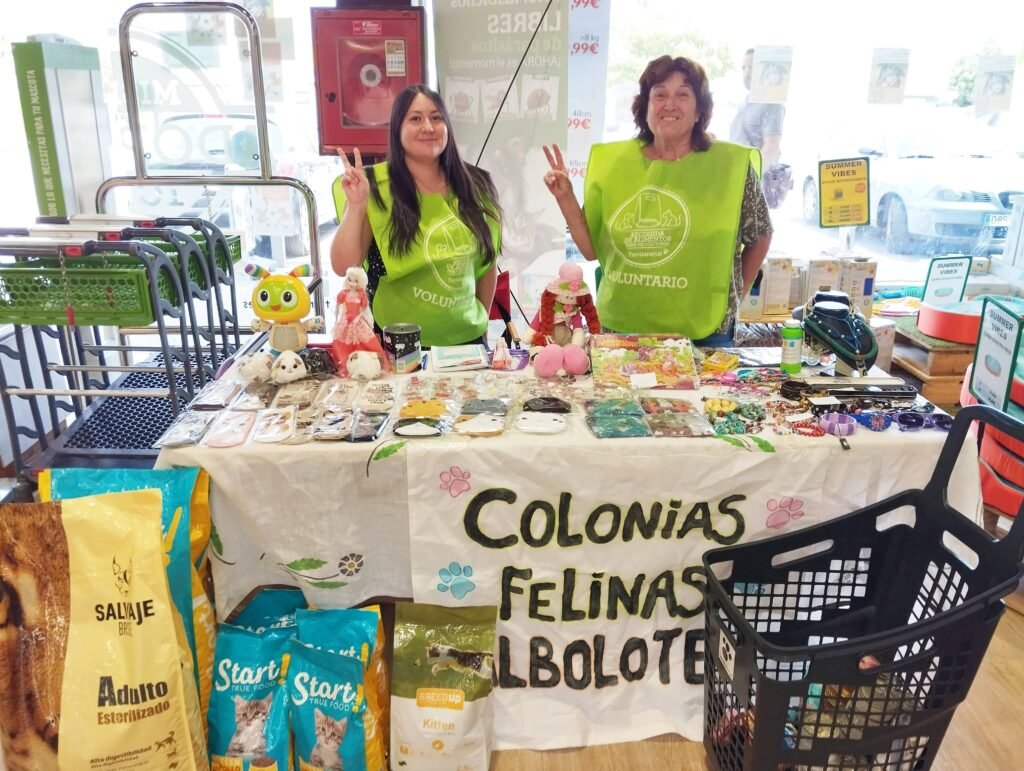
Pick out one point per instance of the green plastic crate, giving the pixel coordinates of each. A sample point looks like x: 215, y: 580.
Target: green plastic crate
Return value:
x: 111, y: 290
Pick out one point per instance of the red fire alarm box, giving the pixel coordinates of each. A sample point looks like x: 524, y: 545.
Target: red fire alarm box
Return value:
x: 362, y: 61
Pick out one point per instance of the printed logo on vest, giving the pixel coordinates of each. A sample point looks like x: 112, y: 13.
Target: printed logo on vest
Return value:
x: 448, y: 245
x: 650, y: 228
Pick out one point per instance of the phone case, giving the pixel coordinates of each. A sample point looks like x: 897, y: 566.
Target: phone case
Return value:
x: 368, y: 426
x: 274, y: 425
x: 299, y: 394
x: 255, y: 396
x: 216, y: 395
x: 188, y: 429
x: 230, y: 429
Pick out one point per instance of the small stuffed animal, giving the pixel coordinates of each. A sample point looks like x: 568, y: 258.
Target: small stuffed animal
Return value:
x: 555, y: 360
x: 363, y: 365
x: 287, y: 368
x: 256, y: 367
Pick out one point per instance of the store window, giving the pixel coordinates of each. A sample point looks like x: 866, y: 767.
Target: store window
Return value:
x: 942, y: 169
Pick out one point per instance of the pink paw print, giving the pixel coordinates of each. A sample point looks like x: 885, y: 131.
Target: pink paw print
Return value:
x: 454, y: 481
x: 783, y: 510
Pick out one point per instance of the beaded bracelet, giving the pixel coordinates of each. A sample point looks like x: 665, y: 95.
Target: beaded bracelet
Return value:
x: 807, y: 428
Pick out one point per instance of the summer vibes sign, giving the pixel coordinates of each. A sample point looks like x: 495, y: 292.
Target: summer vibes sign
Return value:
x: 594, y: 562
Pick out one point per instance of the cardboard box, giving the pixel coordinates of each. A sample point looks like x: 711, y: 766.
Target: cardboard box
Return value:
x: 823, y: 273
x: 751, y: 309
x: 885, y: 335
x: 798, y: 286
x: 857, y: 279
x: 778, y: 276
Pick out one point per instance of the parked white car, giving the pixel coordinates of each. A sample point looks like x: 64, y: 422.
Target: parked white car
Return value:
x: 939, y: 180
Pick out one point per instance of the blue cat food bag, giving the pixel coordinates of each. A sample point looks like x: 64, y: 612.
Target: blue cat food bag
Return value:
x: 248, y: 718
x: 268, y: 608
x: 328, y: 703
x: 354, y: 632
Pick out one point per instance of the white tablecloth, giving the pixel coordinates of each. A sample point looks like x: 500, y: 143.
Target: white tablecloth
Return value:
x: 329, y: 518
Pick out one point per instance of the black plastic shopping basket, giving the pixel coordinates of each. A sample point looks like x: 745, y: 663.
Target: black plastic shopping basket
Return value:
x: 849, y: 645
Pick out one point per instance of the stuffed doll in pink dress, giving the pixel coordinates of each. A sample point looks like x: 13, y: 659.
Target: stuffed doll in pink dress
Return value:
x: 353, y: 326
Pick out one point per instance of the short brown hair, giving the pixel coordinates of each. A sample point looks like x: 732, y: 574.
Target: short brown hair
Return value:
x: 657, y: 71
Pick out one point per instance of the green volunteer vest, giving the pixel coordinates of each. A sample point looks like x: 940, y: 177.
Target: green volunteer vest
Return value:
x: 665, y: 235
x: 434, y: 285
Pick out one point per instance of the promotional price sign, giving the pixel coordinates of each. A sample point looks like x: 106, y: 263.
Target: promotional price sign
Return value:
x: 843, y: 192
x: 588, y: 66
x: 996, y: 354
x: 947, y: 280
x: 888, y: 80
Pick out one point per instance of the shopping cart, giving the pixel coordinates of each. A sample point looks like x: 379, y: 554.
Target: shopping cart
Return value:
x: 850, y: 644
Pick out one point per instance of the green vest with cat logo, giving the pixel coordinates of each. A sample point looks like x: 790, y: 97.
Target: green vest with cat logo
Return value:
x: 434, y: 284
x: 665, y: 235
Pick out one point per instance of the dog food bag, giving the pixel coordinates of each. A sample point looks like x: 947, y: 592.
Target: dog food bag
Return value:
x: 353, y: 633
x: 441, y: 687
x: 248, y: 717
x: 328, y: 702
x: 87, y: 629
x: 185, y: 507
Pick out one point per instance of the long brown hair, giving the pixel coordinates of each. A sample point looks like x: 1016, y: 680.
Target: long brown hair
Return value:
x: 656, y: 72
x: 476, y: 194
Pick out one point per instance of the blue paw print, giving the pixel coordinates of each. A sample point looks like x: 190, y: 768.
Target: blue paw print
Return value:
x: 455, y: 579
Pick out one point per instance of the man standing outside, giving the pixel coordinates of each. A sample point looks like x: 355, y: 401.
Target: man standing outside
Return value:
x: 759, y: 125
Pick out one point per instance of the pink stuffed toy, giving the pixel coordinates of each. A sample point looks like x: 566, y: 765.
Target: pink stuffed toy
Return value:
x: 555, y: 360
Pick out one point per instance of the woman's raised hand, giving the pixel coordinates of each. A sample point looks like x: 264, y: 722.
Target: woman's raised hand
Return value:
x: 556, y: 178
x: 353, y: 180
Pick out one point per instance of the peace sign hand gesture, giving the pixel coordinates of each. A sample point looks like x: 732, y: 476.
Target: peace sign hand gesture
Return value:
x: 557, y: 178
x: 353, y: 180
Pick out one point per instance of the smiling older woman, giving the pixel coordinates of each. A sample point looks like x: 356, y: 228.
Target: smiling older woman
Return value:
x: 675, y: 217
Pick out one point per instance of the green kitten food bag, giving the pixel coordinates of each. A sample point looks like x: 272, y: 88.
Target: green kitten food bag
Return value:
x: 441, y: 687
x: 328, y: 703
x: 248, y: 718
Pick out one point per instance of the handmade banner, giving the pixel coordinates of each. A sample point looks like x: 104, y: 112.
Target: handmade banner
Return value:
x: 593, y: 558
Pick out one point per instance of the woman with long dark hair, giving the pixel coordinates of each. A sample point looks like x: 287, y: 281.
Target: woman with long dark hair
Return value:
x: 426, y: 225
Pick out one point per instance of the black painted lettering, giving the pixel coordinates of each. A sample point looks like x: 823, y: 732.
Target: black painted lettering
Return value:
x: 670, y: 518
x: 471, y: 519
x: 666, y: 637
x: 618, y: 595
x: 693, y: 654
x: 542, y: 661
x: 537, y: 602
x: 601, y: 680
x: 581, y: 650
x: 569, y: 613
x: 630, y: 673
x: 508, y: 573
x: 594, y: 606
x: 724, y: 507
x: 698, y: 518
x: 613, y: 527
x: 505, y: 677
x: 636, y: 519
x: 526, y: 524
x: 565, y: 538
